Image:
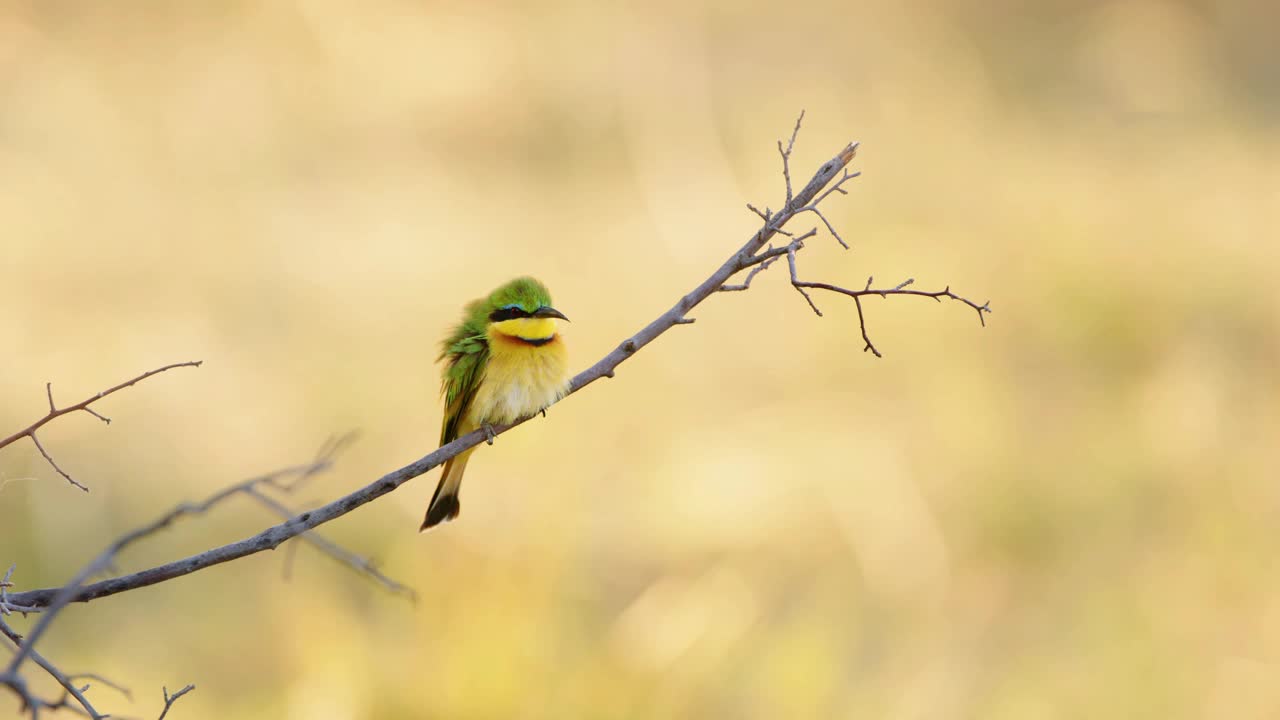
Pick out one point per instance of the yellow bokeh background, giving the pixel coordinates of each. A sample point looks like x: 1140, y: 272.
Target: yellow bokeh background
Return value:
x: 1073, y: 512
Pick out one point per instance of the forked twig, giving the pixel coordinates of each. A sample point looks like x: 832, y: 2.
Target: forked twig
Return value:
x: 169, y: 700
x: 83, y: 405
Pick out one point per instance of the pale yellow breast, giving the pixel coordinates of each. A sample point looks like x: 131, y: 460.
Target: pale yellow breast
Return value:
x: 519, y: 379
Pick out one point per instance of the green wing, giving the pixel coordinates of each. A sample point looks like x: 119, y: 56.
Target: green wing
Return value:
x: 465, y: 352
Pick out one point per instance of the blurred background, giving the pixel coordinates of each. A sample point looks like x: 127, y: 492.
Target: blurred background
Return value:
x: 1072, y: 512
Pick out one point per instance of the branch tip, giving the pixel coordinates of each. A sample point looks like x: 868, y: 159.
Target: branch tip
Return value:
x: 56, y: 412
x: 53, y: 464
x: 786, y: 158
x: 169, y: 700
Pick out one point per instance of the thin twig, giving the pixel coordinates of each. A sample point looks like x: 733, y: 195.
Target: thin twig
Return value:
x: 770, y: 252
x: 899, y: 289
x: 827, y: 222
x: 103, y: 681
x: 837, y: 187
x: 786, y: 159
x: 6, y: 607
x: 791, y: 263
x: 763, y: 259
x: 746, y: 283
x: 62, y: 679
x: 5, y: 584
x: 336, y: 551
x: 67, y: 593
x: 862, y: 323
x: 169, y: 700
x: 18, y: 685
x: 49, y: 457
x: 83, y: 405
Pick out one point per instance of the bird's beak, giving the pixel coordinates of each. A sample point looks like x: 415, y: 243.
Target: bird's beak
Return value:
x: 547, y: 312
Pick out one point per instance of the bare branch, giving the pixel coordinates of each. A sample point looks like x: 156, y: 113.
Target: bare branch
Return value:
x: 272, y: 537
x: 103, y: 681
x: 71, y: 690
x: 30, y: 703
x: 334, y: 550
x: 83, y: 405
x: 899, y: 289
x: 58, y: 412
x: 95, y: 413
x: 763, y: 259
x: 830, y: 228
x: 746, y: 283
x: 791, y: 263
x: 280, y: 480
x: 862, y: 323
x: 756, y: 255
x: 786, y: 159
x: 5, y: 584
x: 749, y: 255
x: 34, y: 704
x: 169, y: 700
x: 839, y: 186
x: 770, y: 252
x: 49, y: 457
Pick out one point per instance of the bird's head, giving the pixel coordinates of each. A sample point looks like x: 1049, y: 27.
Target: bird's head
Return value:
x: 522, y: 309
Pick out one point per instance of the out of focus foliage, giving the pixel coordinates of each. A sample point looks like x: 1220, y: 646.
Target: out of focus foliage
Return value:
x: 1071, y: 513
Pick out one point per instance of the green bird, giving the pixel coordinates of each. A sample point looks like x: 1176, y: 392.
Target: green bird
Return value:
x: 504, y: 361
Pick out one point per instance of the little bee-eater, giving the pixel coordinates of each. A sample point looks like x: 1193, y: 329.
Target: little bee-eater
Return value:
x: 503, y: 362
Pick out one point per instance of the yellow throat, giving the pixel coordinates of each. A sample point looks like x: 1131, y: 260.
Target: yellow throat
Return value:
x: 527, y: 328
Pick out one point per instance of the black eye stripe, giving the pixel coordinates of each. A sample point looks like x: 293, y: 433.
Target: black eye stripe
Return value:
x: 507, y: 313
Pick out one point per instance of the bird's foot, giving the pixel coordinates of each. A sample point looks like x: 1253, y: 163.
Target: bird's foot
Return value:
x: 489, y: 434
x: 543, y: 411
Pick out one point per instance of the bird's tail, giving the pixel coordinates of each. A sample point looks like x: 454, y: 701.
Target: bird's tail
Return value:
x: 445, y: 504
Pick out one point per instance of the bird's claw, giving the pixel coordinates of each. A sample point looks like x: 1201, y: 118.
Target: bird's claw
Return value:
x: 543, y: 411
x: 489, y: 434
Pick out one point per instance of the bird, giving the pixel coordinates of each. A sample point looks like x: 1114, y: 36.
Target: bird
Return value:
x: 504, y: 361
